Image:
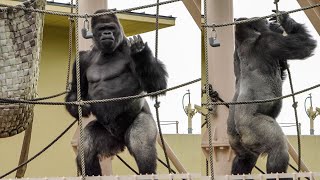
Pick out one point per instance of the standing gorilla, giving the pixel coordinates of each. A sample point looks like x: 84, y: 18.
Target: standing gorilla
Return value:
x: 117, y: 67
x: 259, y: 61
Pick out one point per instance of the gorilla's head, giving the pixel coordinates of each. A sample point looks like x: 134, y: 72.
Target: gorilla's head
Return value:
x: 254, y: 28
x: 107, y: 32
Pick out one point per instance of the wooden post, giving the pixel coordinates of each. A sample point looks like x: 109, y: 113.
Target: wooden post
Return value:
x: 295, y: 157
x: 24, y: 151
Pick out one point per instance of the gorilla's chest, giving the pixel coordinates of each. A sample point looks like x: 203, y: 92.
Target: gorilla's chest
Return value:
x: 100, y: 71
x: 111, y: 78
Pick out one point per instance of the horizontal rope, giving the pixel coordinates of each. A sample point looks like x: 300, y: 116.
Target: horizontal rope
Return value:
x: 265, y: 100
x: 15, y: 101
x: 85, y: 15
x: 42, y: 98
x: 260, y: 18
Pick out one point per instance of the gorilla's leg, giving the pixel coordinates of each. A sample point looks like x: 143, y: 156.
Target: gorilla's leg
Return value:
x: 278, y: 158
x: 97, y: 141
x: 245, y: 160
x: 262, y: 134
x: 141, y: 142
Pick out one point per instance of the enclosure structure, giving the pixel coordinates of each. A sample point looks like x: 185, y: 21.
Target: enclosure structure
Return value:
x: 116, y: 177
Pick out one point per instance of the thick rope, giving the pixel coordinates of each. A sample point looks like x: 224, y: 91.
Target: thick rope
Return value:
x: 39, y: 153
x: 260, y: 18
x: 49, y: 97
x: 79, y: 100
x: 71, y: 21
x: 14, y: 101
x: 207, y: 119
x: 277, y: 10
x: 85, y: 15
x: 157, y: 103
x: 294, y: 105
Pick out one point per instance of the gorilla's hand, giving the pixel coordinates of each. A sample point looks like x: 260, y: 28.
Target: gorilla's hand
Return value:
x: 73, y: 109
x: 282, y: 18
x: 136, y: 44
x: 86, y: 110
x: 276, y: 27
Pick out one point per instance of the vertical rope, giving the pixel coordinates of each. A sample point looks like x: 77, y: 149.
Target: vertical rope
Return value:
x: 207, y: 90
x: 277, y: 10
x: 294, y: 105
x: 71, y: 21
x: 157, y: 103
x: 81, y: 152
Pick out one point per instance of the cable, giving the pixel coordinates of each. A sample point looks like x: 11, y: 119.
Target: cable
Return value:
x: 128, y: 166
x: 42, y: 151
x: 183, y: 103
x: 163, y: 163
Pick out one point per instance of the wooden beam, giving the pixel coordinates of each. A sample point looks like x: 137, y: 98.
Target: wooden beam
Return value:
x: 194, y: 8
x: 312, y: 14
x: 174, y: 159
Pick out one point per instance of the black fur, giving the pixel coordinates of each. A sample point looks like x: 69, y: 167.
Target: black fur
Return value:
x: 117, y: 67
x: 260, y: 58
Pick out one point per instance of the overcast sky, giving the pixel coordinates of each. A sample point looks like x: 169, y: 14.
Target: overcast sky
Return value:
x: 179, y: 49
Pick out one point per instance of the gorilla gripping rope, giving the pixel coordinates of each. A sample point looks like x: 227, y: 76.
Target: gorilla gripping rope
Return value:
x: 262, y: 17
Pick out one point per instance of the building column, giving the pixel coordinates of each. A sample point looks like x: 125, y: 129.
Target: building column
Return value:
x: 222, y: 78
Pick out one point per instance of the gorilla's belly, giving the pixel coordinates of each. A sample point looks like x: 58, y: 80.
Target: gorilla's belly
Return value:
x: 111, y: 88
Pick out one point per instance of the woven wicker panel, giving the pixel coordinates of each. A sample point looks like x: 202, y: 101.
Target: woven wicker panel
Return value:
x: 20, y: 45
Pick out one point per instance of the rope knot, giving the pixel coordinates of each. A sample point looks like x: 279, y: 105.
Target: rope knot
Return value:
x: 210, y: 108
x: 79, y: 103
x: 157, y: 104
x: 70, y: 18
x: 295, y: 105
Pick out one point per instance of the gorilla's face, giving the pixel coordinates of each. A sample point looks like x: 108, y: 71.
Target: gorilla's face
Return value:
x: 107, y: 33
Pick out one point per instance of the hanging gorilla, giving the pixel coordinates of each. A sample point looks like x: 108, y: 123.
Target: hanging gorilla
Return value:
x: 260, y: 57
x: 117, y: 67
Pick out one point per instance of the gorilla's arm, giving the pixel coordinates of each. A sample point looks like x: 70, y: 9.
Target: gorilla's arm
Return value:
x: 151, y: 71
x: 72, y: 94
x: 298, y: 44
x: 236, y: 67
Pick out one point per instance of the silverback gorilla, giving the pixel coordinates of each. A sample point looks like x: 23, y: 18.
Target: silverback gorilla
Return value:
x: 260, y: 58
x: 117, y: 67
